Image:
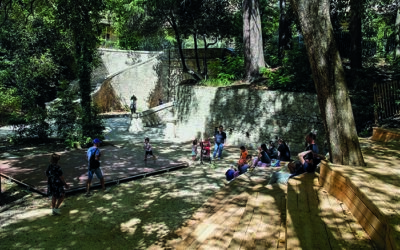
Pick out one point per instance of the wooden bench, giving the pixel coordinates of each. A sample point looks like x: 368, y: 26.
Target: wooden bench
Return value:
x: 316, y: 220
x: 380, y: 227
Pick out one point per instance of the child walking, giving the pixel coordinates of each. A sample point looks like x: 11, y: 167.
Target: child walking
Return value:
x: 55, y: 183
x: 148, y: 149
x: 194, y: 149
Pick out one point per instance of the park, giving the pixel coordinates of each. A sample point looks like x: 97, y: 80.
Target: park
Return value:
x: 120, y: 121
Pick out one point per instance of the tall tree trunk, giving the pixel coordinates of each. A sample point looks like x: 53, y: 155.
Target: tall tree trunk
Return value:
x: 185, y: 68
x: 356, y: 9
x: 252, y: 39
x: 196, y: 52
x: 330, y: 83
x: 284, y: 31
x: 397, y: 30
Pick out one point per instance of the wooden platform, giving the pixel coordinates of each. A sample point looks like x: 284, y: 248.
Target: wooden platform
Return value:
x: 359, y: 191
x: 249, y: 214
x: 116, y: 163
x: 316, y: 220
x: 386, y: 134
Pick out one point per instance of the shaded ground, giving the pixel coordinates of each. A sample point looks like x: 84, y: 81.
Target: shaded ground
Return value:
x: 140, y: 213
x: 116, y: 163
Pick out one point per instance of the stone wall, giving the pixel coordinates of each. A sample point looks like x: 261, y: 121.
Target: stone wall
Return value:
x: 250, y: 116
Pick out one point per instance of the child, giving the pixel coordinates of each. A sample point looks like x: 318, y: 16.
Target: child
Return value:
x: 231, y: 173
x: 149, y: 150
x: 194, y: 150
x: 243, y: 153
x: 55, y: 183
x: 206, y: 146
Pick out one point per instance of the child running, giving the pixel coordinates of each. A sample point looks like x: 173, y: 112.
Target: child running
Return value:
x: 148, y: 149
x: 194, y: 149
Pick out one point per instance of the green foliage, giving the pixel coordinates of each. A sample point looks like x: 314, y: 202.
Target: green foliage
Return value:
x: 225, y: 71
x: 32, y: 125
x: 10, y: 104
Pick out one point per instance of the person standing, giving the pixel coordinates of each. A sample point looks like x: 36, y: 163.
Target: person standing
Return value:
x: 93, y: 155
x: 219, y: 139
x: 55, y: 184
x: 132, y: 105
x: 148, y: 149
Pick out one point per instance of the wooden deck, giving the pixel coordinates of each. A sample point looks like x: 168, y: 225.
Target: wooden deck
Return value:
x: 249, y: 214
x: 317, y: 220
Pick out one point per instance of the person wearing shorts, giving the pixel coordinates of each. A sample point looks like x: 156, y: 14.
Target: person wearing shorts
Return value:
x: 148, y: 149
x: 94, y: 170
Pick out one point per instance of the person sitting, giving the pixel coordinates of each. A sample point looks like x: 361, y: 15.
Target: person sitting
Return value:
x: 243, y: 152
x: 263, y: 159
x: 305, y: 164
x: 272, y: 151
x: 231, y: 173
x: 283, y: 151
x: 312, y: 145
x: 242, y: 166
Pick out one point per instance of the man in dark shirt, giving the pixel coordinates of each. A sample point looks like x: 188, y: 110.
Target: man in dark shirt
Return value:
x: 219, y: 139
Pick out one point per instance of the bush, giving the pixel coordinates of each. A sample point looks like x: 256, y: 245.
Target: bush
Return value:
x: 225, y: 71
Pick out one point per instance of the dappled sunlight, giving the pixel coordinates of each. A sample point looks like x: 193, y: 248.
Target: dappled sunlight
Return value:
x: 130, y: 226
x: 157, y: 229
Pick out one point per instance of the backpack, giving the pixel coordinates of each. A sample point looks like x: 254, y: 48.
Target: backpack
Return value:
x: 93, y: 163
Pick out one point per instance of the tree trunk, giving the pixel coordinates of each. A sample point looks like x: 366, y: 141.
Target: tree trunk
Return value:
x: 356, y: 8
x: 185, y: 68
x: 284, y: 31
x: 330, y: 83
x: 196, y: 51
x: 252, y: 39
x: 397, y: 33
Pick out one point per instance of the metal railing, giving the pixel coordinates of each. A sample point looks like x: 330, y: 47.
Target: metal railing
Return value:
x: 387, y: 99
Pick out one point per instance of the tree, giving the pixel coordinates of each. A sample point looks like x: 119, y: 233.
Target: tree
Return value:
x: 285, y: 34
x: 252, y: 40
x: 397, y: 33
x: 356, y: 9
x: 82, y: 19
x: 329, y: 80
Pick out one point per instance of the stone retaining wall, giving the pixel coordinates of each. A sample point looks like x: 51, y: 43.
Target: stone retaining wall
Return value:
x: 249, y: 116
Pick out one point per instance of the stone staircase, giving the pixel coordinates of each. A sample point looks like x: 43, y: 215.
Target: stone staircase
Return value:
x: 249, y: 214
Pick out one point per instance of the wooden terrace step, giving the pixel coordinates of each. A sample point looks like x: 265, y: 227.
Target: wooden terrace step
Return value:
x: 317, y: 220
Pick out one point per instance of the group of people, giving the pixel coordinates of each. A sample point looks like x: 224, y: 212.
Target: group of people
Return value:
x: 307, y: 160
x: 205, y: 145
x: 264, y: 158
x: 56, y: 181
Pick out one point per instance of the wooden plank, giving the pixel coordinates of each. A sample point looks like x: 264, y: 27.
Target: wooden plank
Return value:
x: 363, y: 207
x: 268, y: 229
x: 240, y: 230
x: 205, y: 213
x: 322, y: 239
x: 361, y: 215
x: 206, y: 228
x: 292, y: 239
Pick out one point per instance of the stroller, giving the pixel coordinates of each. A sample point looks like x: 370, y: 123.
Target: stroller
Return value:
x: 205, y: 151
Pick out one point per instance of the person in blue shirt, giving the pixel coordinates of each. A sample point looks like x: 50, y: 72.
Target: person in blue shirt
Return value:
x: 220, y: 140
x: 94, y: 170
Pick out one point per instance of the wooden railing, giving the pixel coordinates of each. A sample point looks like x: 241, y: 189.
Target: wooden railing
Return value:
x: 387, y: 100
